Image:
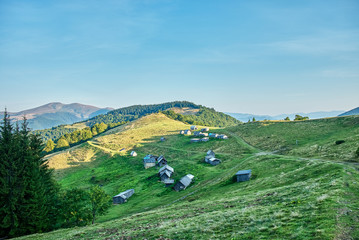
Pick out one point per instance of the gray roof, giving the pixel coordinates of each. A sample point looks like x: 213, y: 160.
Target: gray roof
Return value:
x: 149, y: 159
x: 168, y: 181
x: 213, y: 159
x: 126, y: 194
x: 166, y: 167
x: 160, y: 158
x: 243, y: 172
x: 210, y: 152
x: 168, y: 173
x: 186, y: 180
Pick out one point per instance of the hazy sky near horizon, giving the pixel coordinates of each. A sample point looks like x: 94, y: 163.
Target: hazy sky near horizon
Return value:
x: 261, y: 57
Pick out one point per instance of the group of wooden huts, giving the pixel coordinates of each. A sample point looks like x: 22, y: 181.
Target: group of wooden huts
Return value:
x: 211, y: 158
x: 152, y: 160
x: 241, y: 176
x: 202, y: 136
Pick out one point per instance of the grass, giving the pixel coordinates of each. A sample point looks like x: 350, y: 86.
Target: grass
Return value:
x: 287, y: 198
x: 312, y: 138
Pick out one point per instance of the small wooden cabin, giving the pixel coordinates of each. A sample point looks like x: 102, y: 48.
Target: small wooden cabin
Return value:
x: 123, y: 197
x: 211, y: 158
x: 187, y: 132
x: 213, y: 135
x: 162, y: 139
x: 182, y: 132
x: 149, y: 161
x: 193, y: 127
x: 203, y: 134
x: 183, y: 183
x: 222, y: 136
x: 205, y: 129
x: 133, y: 154
x: 243, y: 175
x: 161, y: 161
x: 196, y: 133
x: 195, y: 140
x: 205, y: 139
x: 166, y: 168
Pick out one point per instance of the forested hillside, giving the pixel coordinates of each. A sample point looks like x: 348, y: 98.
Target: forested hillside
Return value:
x: 204, y: 116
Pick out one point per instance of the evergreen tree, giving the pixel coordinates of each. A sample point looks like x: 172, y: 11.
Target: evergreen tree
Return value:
x: 100, y: 202
x: 287, y: 119
x: 254, y: 119
x: 27, y: 188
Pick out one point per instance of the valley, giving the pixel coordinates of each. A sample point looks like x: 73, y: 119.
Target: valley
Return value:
x: 292, y: 193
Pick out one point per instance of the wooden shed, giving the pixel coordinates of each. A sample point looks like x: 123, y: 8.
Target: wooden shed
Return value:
x: 166, y: 168
x: 203, y: 134
x: 187, y: 132
x: 211, y: 158
x: 123, y: 197
x: 195, y: 140
x: 161, y: 161
x: 205, y: 139
x: 184, y: 182
x: 196, y: 133
x: 213, y: 135
x: 243, y: 175
x: 205, y: 129
x: 222, y: 136
x: 149, y: 161
x: 182, y: 132
x: 163, y: 139
x: 133, y: 154
x: 193, y: 127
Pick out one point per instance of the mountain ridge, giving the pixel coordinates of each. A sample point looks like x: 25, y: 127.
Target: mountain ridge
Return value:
x: 354, y: 111
x: 57, y: 113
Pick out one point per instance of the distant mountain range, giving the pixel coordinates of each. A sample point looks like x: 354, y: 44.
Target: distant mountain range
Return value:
x: 56, y: 113
x: 244, y: 117
x: 354, y: 111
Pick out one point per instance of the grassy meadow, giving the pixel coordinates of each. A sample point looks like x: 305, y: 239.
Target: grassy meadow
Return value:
x: 294, y: 196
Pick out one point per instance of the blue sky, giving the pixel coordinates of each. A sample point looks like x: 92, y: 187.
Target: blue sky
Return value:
x: 262, y: 57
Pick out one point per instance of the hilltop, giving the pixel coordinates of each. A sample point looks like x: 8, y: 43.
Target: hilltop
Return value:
x: 288, y: 196
x: 56, y: 113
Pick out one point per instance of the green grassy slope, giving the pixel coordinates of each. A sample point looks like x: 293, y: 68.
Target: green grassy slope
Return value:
x: 316, y: 138
x: 287, y: 198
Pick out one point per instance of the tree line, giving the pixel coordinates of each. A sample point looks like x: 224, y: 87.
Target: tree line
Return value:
x: 78, y: 136
x: 31, y: 200
x: 205, y: 117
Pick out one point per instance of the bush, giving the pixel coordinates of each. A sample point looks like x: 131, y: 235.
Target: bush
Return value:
x: 339, y: 142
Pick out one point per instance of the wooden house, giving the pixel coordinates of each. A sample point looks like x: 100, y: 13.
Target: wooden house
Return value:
x: 211, y: 158
x: 162, y: 139
x: 133, y: 154
x: 161, y: 161
x: 184, y: 182
x: 195, y: 140
x: 123, y: 197
x: 196, y: 133
x: 222, y: 136
x: 205, y: 139
x: 213, y: 135
x: 203, y: 134
x: 182, y: 132
x: 193, y: 127
x: 187, y: 132
x: 243, y: 175
x: 205, y: 129
x: 166, y: 167
x: 165, y: 172
x: 149, y: 161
